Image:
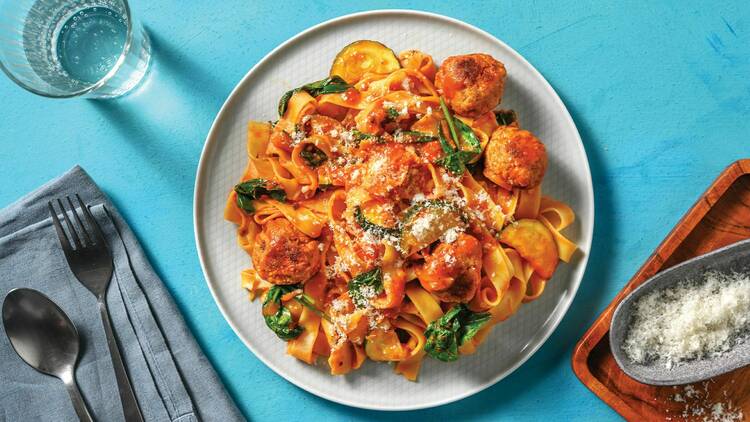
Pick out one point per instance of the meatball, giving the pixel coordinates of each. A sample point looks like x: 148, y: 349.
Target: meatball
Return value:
x: 472, y: 83
x: 453, y: 270
x: 515, y: 158
x: 391, y: 171
x: 284, y: 255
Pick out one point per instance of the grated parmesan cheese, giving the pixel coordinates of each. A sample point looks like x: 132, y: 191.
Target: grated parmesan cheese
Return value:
x: 451, y: 235
x: 691, y: 320
x: 698, y: 405
x: 422, y: 225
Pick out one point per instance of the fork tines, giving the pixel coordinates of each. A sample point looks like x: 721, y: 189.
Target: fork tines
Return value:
x: 81, y: 236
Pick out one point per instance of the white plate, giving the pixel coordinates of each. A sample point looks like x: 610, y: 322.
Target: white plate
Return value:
x: 307, y: 57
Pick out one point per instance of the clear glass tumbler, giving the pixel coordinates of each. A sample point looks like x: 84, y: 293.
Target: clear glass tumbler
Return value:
x: 73, y: 48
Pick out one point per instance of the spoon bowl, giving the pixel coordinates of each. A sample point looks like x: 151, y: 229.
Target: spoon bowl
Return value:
x: 45, y: 338
x: 734, y: 258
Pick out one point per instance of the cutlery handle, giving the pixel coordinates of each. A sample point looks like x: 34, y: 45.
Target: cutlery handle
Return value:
x: 129, y: 404
x: 75, y: 396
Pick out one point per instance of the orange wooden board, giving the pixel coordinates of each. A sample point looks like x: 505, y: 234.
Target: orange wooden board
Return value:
x: 721, y: 216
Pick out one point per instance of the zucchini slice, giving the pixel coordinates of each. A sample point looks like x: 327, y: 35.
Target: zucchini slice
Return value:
x: 363, y: 56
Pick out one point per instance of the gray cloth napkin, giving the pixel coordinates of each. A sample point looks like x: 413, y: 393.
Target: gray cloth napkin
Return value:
x: 172, y: 379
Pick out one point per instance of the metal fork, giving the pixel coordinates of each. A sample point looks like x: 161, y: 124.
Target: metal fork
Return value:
x: 91, y: 262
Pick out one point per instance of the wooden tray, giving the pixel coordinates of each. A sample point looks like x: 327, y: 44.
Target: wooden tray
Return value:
x: 720, y: 216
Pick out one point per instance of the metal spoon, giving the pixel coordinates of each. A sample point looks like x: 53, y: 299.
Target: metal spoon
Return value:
x: 45, y: 338
x: 730, y: 259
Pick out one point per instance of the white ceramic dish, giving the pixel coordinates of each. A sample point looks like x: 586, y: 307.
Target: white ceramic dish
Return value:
x: 307, y: 57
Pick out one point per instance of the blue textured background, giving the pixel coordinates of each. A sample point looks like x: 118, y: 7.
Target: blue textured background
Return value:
x: 660, y: 94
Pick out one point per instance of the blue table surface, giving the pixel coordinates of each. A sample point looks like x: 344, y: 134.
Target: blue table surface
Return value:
x: 660, y: 94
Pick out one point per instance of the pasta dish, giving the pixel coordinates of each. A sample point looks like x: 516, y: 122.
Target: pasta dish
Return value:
x: 394, y: 212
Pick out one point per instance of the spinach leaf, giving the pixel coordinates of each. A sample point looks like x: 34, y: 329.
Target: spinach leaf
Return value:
x: 456, y: 159
x: 361, y: 136
x: 471, y: 324
x: 324, y: 187
x: 449, y: 119
x: 468, y: 137
x: 444, y: 144
x: 373, y: 228
x: 455, y: 162
x: 255, y: 188
x: 308, y: 302
x: 446, y: 334
x: 419, y: 137
x: 313, y: 156
x: 391, y: 114
x: 506, y: 117
x: 328, y: 85
x: 280, y: 322
x: 365, y: 286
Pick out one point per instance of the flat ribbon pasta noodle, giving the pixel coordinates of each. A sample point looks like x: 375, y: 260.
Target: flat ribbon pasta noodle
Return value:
x: 409, y: 367
x: 302, y: 346
x: 419, y: 61
x: 254, y: 285
x: 557, y: 216
x: 428, y: 307
x: 529, y: 202
x: 258, y: 134
x: 303, y: 218
x: 475, y: 193
x: 394, y: 280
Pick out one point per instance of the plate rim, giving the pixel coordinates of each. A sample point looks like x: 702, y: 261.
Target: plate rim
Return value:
x: 587, y: 230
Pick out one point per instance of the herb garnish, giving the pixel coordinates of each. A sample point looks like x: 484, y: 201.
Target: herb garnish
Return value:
x: 391, y: 114
x: 255, y: 188
x: 418, y: 137
x: 365, y: 286
x: 446, y: 334
x: 313, y: 155
x: 280, y: 322
x: 506, y: 117
x: 328, y: 85
x: 456, y: 158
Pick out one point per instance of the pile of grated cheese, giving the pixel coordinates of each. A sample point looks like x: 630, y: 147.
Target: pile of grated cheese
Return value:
x: 692, y: 320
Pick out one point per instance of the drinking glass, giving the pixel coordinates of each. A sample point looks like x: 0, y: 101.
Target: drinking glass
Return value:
x: 73, y: 48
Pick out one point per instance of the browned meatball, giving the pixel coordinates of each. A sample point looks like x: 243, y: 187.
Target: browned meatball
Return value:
x: 472, y: 83
x: 390, y: 170
x: 284, y: 255
x: 453, y: 270
x: 515, y: 158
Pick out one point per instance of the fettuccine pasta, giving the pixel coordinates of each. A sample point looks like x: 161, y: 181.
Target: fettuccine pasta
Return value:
x: 394, y: 213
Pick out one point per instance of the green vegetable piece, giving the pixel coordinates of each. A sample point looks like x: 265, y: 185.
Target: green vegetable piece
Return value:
x: 506, y: 117
x: 446, y: 334
x: 419, y: 137
x: 281, y: 322
x: 255, y: 188
x: 328, y: 85
x: 468, y: 137
x: 449, y: 119
x: 365, y: 286
x: 392, y: 114
x: 456, y: 158
x: 313, y: 156
x: 375, y: 229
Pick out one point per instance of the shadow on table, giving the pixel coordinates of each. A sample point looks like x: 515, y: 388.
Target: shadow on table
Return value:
x: 553, y: 359
x: 174, y: 104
